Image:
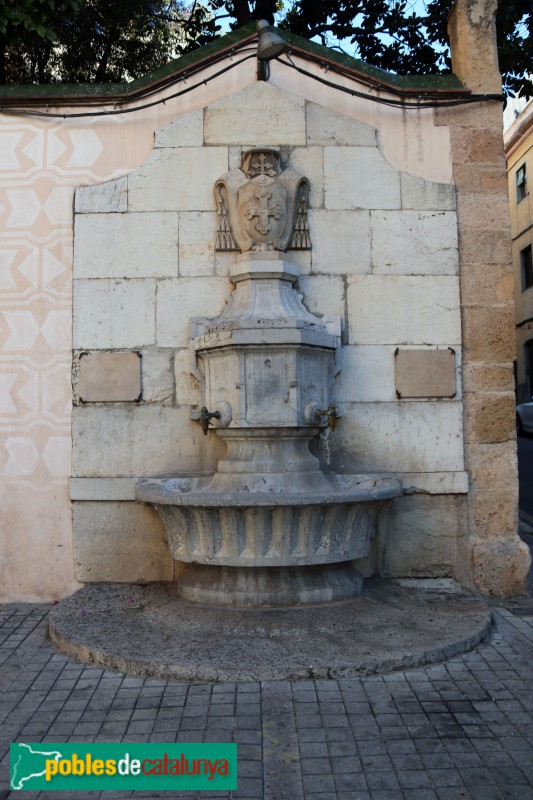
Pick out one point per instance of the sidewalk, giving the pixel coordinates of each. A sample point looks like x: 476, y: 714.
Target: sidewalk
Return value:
x: 461, y: 730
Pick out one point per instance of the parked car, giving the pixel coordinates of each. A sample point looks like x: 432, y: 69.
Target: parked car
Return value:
x: 524, y: 417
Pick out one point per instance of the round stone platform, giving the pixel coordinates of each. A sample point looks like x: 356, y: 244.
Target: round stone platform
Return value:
x: 148, y: 630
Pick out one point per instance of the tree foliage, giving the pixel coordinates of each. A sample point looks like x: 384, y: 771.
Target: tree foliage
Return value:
x: 105, y: 40
x: 100, y: 40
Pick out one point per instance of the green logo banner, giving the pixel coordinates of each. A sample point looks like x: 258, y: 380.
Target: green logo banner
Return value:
x: 100, y: 766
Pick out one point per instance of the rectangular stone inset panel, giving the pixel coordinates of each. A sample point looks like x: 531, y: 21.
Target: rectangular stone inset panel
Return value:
x: 109, y: 377
x: 425, y: 373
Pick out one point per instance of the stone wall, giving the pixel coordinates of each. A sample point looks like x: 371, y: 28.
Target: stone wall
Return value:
x: 384, y: 257
x: 410, y: 240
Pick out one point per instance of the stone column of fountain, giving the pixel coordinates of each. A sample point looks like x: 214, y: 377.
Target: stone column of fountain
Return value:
x: 269, y: 527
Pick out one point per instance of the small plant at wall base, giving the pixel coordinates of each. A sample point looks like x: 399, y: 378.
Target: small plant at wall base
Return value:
x: 78, y: 41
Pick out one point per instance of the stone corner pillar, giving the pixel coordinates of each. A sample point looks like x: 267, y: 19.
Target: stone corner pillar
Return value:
x: 492, y: 558
x: 472, y: 33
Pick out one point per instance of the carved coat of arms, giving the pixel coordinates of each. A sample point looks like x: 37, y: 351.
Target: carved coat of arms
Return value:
x: 262, y: 207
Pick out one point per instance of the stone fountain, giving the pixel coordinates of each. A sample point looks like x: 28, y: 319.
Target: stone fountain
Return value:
x: 269, y: 527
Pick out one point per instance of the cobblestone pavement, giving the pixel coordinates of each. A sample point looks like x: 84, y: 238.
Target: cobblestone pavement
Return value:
x: 461, y: 729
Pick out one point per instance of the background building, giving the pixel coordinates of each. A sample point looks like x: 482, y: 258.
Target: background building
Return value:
x: 518, y: 137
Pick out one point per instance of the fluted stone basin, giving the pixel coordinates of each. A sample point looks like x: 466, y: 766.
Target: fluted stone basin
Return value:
x: 244, y: 546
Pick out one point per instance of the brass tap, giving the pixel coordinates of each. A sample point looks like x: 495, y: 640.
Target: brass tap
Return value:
x: 330, y: 412
x: 206, y: 417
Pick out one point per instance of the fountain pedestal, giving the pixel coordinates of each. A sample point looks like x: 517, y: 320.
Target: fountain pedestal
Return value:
x: 269, y: 527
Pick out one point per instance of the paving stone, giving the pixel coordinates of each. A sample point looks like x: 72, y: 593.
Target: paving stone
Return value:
x: 321, y: 740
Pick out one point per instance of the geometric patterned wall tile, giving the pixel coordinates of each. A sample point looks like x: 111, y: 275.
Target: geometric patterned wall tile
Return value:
x: 22, y: 206
x: 56, y: 455
x: 56, y: 330
x: 86, y: 148
x: 57, y: 392
x: 22, y: 330
x: 19, y: 393
x: 9, y: 140
x: 23, y: 456
x: 41, y: 162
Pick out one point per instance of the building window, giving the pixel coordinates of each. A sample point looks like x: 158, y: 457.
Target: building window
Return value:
x: 521, y: 183
x: 526, y: 263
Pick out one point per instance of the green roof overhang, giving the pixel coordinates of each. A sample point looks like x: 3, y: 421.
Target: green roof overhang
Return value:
x: 64, y: 94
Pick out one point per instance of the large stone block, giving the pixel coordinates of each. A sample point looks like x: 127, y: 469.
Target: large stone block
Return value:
x: 493, y: 467
x: 487, y: 147
x: 490, y: 417
x: 323, y: 294
x: 185, y: 132
x: 475, y: 178
x: 472, y: 34
x: 426, y: 195
x: 261, y: 114
x: 477, y: 145
x: 488, y: 376
x: 139, y: 441
x: 414, y: 242
x: 119, y: 543
x: 413, y: 437
x: 309, y: 161
x: 341, y: 241
x: 478, y: 116
x: 359, y: 177
x: 126, y: 246
x: 157, y: 375
x: 401, y: 310
x: 326, y: 127
x: 177, y: 179
x: 367, y: 375
x: 180, y: 300
x: 486, y: 284
x: 493, y: 514
x: 485, y: 246
x: 489, y: 334
x: 111, y: 314
x: 478, y: 210
x: 500, y: 568
x: 187, y: 388
x: 102, y: 198
x: 197, y: 243
x: 418, y: 535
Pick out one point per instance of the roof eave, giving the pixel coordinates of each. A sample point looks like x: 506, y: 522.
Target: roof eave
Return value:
x: 65, y: 95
